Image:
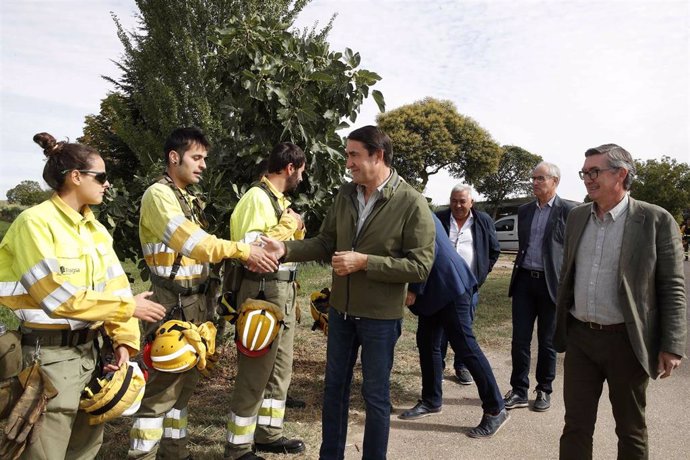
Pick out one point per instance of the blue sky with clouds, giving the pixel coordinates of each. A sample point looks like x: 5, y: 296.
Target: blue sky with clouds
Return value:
x: 552, y: 77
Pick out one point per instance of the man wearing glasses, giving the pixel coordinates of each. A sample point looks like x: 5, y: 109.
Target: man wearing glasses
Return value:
x: 541, y: 224
x: 621, y: 305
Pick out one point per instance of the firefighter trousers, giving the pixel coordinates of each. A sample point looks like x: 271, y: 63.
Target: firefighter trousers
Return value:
x: 65, y: 431
x: 257, y: 405
x: 160, y: 425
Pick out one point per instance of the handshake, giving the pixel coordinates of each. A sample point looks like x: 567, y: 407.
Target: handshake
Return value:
x: 264, y: 255
x: 266, y: 252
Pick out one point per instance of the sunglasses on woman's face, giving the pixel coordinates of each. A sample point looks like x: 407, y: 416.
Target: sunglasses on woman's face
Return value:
x: 100, y: 176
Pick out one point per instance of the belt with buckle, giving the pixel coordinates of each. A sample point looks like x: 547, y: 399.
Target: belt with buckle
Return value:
x: 618, y: 327
x: 172, y: 286
x: 280, y: 275
x: 59, y: 337
x: 533, y: 273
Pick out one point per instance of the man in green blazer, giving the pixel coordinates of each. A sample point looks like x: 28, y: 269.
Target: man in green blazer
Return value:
x: 621, y: 306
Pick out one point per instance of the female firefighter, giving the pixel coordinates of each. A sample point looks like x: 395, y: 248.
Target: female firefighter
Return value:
x: 61, y: 277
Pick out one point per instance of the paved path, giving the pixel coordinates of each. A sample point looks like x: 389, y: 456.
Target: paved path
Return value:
x: 531, y: 435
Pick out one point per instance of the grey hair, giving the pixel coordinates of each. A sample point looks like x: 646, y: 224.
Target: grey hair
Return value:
x: 617, y: 157
x: 552, y: 169
x: 463, y: 188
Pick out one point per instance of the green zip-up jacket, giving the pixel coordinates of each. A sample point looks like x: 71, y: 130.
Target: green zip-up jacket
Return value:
x: 398, y: 237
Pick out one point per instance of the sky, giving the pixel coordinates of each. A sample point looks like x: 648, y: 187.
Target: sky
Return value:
x: 553, y: 77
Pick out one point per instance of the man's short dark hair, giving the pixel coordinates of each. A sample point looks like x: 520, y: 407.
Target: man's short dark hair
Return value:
x: 374, y: 139
x: 282, y: 155
x: 182, y: 139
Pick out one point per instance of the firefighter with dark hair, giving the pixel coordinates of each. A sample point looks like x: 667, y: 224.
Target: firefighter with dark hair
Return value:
x: 258, y: 402
x: 61, y: 277
x: 178, y: 251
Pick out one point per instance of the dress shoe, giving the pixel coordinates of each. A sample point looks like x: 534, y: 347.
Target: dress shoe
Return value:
x: 464, y: 377
x: 489, y: 425
x: 420, y: 410
x: 294, y: 403
x: 543, y: 401
x: 281, y: 446
x: 513, y: 400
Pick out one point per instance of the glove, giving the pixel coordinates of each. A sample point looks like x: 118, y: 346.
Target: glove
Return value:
x: 203, y: 339
x: 10, y: 390
x: 24, y: 421
x: 211, y: 362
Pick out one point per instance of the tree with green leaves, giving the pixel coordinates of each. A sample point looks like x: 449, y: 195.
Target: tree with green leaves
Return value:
x: 430, y: 135
x: 664, y: 182
x: 27, y: 193
x: 512, y: 179
x: 238, y: 71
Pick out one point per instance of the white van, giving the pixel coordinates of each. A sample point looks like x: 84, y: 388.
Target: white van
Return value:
x: 507, y: 232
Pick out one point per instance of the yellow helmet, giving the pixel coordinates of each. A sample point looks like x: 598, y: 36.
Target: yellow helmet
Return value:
x: 257, y: 326
x: 180, y: 345
x: 118, y: 393
x: 319, y: 309
x: 170, y: 350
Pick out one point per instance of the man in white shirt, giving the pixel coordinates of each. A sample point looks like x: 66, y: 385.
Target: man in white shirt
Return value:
x: 473, y: 234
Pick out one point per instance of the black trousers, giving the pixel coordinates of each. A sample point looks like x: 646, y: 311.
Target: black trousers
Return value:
x: 532, y: 303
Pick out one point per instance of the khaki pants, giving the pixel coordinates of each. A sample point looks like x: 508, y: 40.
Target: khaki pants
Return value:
x: 258, y: 401
x: 70, y: 369
x: 160, y: 426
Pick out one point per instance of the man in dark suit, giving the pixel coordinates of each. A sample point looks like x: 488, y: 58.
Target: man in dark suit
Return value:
x: 541, y: 224
x: 621, y: 305
x: 446, y: 302
x: 473, y: 235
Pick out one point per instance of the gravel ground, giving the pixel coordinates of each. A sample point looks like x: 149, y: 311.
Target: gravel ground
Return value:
x: 531, y: 435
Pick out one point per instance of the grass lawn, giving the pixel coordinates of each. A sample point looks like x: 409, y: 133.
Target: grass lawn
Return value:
x: 209, y: 406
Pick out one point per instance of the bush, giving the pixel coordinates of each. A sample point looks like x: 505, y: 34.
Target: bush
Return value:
x: 10, y: 212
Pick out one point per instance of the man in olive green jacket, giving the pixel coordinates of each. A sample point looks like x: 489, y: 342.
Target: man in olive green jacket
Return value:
x: 378, y: 236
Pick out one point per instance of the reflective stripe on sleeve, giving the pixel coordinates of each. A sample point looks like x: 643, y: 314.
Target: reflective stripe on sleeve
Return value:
x: 11, y: 288
x: 172, y: 227
x: 192, y: 241
x: 59, y: 296
x: 156, y: 248
x: 39, y: 271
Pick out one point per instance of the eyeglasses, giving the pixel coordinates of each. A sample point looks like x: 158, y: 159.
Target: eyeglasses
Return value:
x: 100, y: 176
x: 592, y: 173
x: 540, y: 178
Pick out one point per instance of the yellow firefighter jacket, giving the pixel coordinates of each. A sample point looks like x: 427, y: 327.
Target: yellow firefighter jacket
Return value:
x: 255, y: 215
x: 58, y: 270
x: 165, y: 232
